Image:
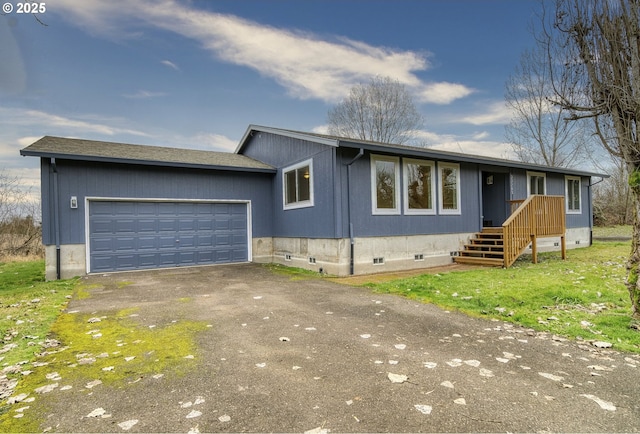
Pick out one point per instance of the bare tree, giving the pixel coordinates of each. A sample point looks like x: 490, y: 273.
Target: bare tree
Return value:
x: 381, y: 111
x: 538, y: 131
x: 598, y: 44
x: 20, y: 229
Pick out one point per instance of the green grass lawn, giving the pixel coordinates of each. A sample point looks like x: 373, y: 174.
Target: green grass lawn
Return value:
x: 32, y: 312
x: 583, y: 297
x: 613, y: 231
x: 30, y: 305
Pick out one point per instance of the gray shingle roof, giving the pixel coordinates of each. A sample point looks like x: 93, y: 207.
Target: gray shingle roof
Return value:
x: 91, y: 150
x: 412, y: 151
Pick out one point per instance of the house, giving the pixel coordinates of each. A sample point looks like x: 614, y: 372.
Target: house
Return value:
x: 330, y: 204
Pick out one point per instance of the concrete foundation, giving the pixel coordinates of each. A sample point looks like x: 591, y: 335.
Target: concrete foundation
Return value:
x: 371, y: 255
x: 262, y: 250
x: 73, y: 261
x: 332, y: 256
x: 575, y: 239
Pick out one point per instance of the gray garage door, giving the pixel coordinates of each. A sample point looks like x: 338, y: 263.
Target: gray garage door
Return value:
x: 127, y: 235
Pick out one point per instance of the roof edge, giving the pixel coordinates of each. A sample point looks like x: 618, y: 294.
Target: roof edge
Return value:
x: 287, y: 133
x: 27, y: 152
x: 466, y: 158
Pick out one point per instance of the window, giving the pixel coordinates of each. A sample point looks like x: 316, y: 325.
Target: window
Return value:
x: 449, y: 188
x: 385, y: 180
x: 573, y: 194
x: 298, y: 185
x: 419, y: 187
x: 536, y: 183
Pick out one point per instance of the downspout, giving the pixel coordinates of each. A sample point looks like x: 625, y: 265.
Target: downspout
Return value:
x: 56, y: 215
x: 351, y: 236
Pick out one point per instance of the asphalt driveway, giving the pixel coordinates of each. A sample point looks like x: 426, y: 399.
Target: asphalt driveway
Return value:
x: 291, y: 355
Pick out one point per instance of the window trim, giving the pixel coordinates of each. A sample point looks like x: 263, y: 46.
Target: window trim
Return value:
x: 299, y: 204
x: 405, y: 187
x: 458, y: 210
x: 568, y: 178
x: 540, y: 174
x: 374, y: 196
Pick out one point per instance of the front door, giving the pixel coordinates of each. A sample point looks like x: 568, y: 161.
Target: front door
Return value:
x: 495, y: 188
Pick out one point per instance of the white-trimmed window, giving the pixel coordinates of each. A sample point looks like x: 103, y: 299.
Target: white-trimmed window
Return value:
x: 573, y: 194
x: 297, y: 185
x: 419, y: 186
x: 536, y: 183
x: 449, y: 188
x: 385, y: 184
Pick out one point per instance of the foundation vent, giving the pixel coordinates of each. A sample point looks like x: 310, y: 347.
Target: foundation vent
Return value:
x: 418, y: 257
x: 287, y: 257
x: 378, y: 261
x: 312, y: 260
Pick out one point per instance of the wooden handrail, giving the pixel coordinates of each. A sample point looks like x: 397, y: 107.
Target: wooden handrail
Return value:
x: 536, y: 217
x: 514, y: 204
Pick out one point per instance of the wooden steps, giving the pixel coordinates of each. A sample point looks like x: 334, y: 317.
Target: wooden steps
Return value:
x: 484, y: 248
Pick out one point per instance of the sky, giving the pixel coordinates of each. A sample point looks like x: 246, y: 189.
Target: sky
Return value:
x: 195, y: 74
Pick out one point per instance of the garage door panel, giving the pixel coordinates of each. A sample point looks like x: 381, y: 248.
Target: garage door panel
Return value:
x: 147, y: 243
x: 167, y: 225
x: 166, y: 208
x: 239, y: 239
x: 221, y: 224
x: 204, y: 225
x: 205, y: 256
x: 147, y: 208
x: 102, y: 245
x: 147, y: 225
x: 132, y: 235
x: 102, y: 226
x: 124, y: 225
x: 186, y: 225
x: 125, y: 244
x: 239, y: 256
x: 166, y: 242
x: 223, y: 255
x: 205, y: 240
x: 126, y: 262
x: 187, y: 241
x: 147, y: 260
x: 187, y: 209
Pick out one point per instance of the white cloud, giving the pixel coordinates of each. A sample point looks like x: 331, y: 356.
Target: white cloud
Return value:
x: 144, y: 94
x: 320, y: 129
x: 27, y: 140
x: 482, y: 148
x: 475, y: 144
x: 480, y: 135
x: 306, y: 65
x: 49, y: 123
x: 170, y: 64
x: 493, y: 113
x: 443, y: 93
x: 211, y: 142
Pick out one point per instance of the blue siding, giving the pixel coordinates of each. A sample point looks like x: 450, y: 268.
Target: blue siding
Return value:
x: 83, y: 179
x: 281, y: 152
x: 328, y: 218
x: 368, y: 225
